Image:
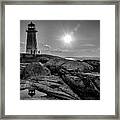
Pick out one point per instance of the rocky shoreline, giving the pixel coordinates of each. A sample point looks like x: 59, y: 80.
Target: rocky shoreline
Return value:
x: 59, y: 78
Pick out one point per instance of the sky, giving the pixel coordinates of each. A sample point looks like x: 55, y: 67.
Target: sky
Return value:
x: 65, y: 38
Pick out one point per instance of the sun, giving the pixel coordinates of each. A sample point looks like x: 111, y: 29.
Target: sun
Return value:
x: 67, y: 38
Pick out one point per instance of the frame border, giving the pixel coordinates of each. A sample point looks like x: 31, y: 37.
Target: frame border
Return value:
x: 59, y: 2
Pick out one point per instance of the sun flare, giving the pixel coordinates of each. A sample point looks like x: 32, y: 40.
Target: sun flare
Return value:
x: 67, y: 38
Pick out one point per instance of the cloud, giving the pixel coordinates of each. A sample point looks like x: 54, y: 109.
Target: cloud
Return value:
x: 62, y: 51
x: 92, y: 50
x: 47, y: 47
x: 88, y: 45
x: 53, y: 50
x: 22, y: 44
x: 75, y: 29
x: 50, y: 49
x: 56, y: 51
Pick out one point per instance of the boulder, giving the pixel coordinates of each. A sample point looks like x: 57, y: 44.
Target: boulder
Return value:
x: 69, y: 65
x: 34, y: 69
x: 84, y: 86
x: 95, y: 64
x: 54, y: 84
x: 43, y: 59
x: 54, y: 64
x: 75, y: 66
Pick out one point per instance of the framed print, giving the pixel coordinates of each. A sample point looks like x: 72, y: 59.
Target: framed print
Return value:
x: 60, y: 60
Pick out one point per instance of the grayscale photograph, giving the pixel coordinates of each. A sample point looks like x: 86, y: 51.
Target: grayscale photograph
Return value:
x: 59, y: 59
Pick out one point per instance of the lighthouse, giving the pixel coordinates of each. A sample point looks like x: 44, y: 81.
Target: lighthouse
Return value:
x: 31, y: 45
